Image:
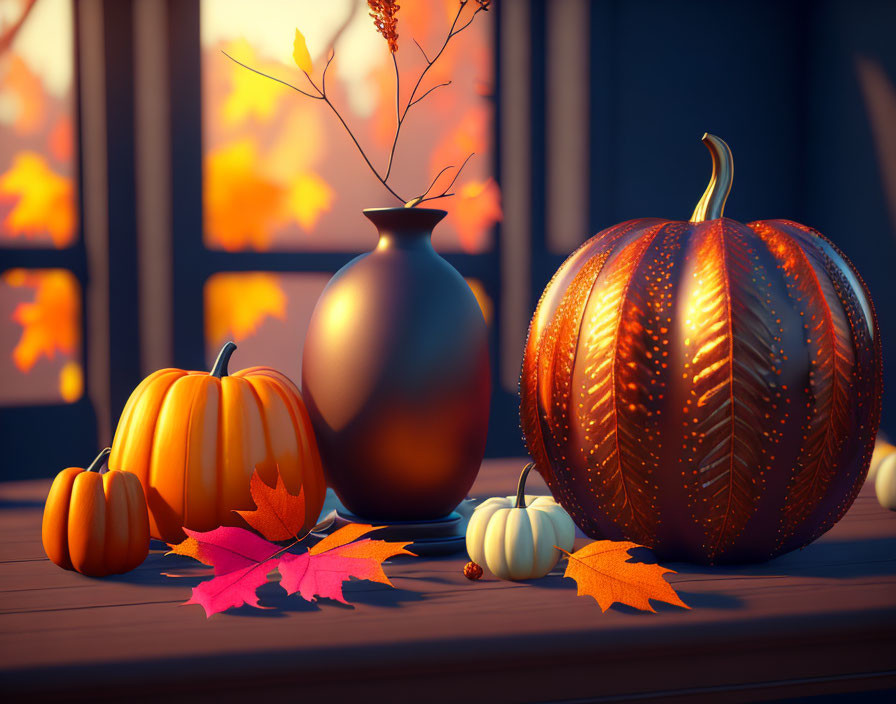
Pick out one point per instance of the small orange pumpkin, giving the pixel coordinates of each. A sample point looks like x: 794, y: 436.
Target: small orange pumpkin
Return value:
x: 96, y: 524
x: 195, y: 438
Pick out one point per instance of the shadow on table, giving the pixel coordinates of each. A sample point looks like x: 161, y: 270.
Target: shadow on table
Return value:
x: 827, y: 558
x: 702, y: 600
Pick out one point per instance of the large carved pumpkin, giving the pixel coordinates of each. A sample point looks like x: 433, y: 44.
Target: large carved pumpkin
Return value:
x: 195, y: 438
x: 706, y: 388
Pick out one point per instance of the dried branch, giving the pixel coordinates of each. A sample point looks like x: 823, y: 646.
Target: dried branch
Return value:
x: 385, y: 22
x: 445, y: 193
x: 273, y: 78
x: 9, y: 33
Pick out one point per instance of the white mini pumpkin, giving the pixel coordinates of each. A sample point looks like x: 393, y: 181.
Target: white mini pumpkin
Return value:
x: 885, y: 483
x: 513, y: 537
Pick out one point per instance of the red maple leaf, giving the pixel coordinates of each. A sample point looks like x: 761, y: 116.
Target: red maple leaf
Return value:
x: 279, y: 515
x: 243, y: 561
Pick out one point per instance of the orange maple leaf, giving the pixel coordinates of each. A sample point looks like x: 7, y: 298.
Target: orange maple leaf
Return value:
x: 242, y: 206
x: 44, y: 200
x: 51, y: 322
x: 601, y: 570
x: 236, y: 304
x: 278, y: 515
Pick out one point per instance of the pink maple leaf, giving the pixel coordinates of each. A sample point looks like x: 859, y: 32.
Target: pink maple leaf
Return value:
x: 242, y: 562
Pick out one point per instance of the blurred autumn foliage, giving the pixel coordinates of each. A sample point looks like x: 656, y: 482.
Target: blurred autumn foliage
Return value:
x: 278, y: 176
x: 42, y: 307
x: 279, y: 172
x: 237, y: 303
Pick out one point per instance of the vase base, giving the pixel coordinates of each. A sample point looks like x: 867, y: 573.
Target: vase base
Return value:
x: 440, y: 536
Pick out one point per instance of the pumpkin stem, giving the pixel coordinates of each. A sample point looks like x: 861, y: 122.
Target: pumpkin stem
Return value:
x: 712, y: 204
x: 220, y: 368
x: 521, y: 487
x: 97, y: 464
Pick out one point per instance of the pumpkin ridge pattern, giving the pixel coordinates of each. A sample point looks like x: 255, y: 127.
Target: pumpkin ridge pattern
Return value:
x: 859, y: 311
x: 529, y: 388
x: 754, y: 438
x: 619, y: 483
x: 726, y: 421
x: 828, y: 340
x: 561, y: 351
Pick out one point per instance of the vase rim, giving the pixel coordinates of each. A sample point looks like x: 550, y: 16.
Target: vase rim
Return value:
x: 401, y: 208
x: 401, y: 218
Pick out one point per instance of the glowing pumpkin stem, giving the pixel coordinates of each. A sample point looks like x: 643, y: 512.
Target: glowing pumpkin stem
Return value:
x: 521, y: 487
x: 100, y: 461
x: 220, y: 368
x: 712, y: 204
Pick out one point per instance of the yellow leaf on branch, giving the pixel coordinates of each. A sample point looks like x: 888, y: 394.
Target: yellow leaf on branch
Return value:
x: 236, y: 304
x: 300, y: 52
x: 601, y: 570
x: 44, y: 200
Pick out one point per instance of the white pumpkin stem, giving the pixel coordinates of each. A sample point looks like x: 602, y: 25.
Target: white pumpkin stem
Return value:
x: 97, y: 464
x: 521, y: 487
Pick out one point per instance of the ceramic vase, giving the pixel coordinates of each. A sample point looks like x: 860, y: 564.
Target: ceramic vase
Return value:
x: 396, y: 375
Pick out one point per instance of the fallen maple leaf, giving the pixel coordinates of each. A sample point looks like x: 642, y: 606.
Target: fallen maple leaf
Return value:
x: 322, y: 572
x: 279, y: 515
x: 242, y: 560
x: 601, y: 570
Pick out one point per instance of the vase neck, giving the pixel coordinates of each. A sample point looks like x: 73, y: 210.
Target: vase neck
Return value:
x: 404, y: 228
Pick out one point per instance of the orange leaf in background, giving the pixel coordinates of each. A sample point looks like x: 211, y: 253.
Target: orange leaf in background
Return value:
x: 308, y: 198
x: 279, y: 515
x: 476, y: 209
x: 469, y: 135
x: 601, y: 570
x: 71, y: 382
x: 45, y: 201
x: 61, y: 140
x: 236, y: 304
x: 51, y: 322
x: 242, y: 207
x: 27, y: 91
x: 251, y: 95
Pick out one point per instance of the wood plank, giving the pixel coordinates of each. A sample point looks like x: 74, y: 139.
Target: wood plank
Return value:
x: 821, y: 619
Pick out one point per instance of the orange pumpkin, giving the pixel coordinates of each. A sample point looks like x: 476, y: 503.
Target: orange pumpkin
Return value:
x: 96, y: 524
x: 195, y: 438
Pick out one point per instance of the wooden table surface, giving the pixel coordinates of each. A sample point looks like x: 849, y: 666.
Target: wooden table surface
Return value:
x: 822, y: 620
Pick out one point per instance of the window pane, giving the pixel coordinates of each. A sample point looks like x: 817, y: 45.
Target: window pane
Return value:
x: 37, y: 164
x: 40, y: 341
x: 265, y: 314
x: 280, y: 171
